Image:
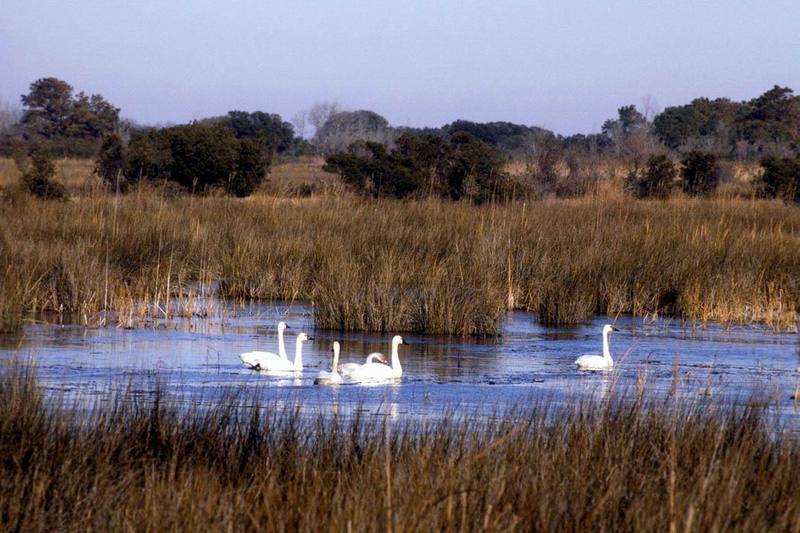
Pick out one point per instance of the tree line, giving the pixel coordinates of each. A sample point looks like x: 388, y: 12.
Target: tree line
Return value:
x: 679, y: 147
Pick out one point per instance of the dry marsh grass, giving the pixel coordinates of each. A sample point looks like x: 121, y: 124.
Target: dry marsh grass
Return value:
x: 77, y: 175
x: 143, y: 463
x: 425, y: 266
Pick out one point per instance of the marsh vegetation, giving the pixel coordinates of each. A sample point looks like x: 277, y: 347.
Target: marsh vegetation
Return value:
x: 382, y: 265
x: 145, y: 462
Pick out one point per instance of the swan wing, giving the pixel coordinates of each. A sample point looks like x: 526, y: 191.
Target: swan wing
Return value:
x: 257, y: 359
x: 327, y: 378
x: 348, y: 368
x: 268, y: 362
x: 373, y: 372
x: 592, y: 361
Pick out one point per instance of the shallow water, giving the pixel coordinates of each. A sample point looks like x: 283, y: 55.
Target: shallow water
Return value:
x: 198, y: 361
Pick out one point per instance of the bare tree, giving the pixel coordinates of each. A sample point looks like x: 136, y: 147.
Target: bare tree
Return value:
x: 650, y: 108
x: 342, y: 129
x: 9, y: 117
x: 320, y: 112
x: 299, y: 121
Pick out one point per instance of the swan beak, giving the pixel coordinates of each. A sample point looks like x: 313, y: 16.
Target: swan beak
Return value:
x: 288, y: 326
x: 405, y: 342
x: 614, y: 329
x: 311, y: 338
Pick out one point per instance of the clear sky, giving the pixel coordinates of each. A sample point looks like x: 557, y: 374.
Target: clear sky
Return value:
x: 565, y: 65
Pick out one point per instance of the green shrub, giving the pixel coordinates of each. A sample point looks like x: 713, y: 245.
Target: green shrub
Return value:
x: 461, y: 167
x: 655, y: 181
x: 110, y: 164
x: 38, y: 179
x: 698, y: 173
x: 200, y: 157
x: 781, y: 178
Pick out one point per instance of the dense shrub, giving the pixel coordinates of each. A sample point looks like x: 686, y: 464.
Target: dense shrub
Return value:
x: 200, y: 157
x: 476, y: 169
x: 110, y: 164
x: 698, y: 173
x: 252, y: 160
x: 781, y: 178
x: 461, y: 167
x: 655, y: 181
x: 269, y: 127
x: 38, y: 179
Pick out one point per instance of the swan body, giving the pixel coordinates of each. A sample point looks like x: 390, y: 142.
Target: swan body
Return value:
x: 270, y: 362
x: 379, y: 372
x: 348, y: 368
x: 598, y: 362
x: 254, y: 359
x: 333, y: 377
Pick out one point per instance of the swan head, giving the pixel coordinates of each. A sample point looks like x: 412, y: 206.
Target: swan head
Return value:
x: 283, y: 325
x: 608, y: 328
x: 397, y: 340
x: 381, y: 359
x: 336, y: 347
x: 304, y: 337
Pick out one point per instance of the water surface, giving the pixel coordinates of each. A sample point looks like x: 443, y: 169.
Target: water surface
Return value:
x: 198, y: 361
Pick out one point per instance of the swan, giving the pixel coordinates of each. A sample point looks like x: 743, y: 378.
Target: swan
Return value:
x: 271, y: 362
x: 252, y: 358
x: 598, y: 362
x: 333, y: 377
x: 348, y: 368
x: 379, y: 372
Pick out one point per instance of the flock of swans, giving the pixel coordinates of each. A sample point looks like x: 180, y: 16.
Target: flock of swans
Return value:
x: 375, y: 368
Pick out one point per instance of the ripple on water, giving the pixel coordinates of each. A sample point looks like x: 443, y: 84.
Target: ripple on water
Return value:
x: 199, y: 362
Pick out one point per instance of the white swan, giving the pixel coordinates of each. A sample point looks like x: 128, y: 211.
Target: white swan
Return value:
x: 271, y: 362
x: 252, y: 358
x: 348, y: 368
x: 378, y: 372
x: 598, y: 362
x: 333, y: 377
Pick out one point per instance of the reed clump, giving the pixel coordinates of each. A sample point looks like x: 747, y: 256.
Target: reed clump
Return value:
x: 424, y: 266
x: 144, y: 463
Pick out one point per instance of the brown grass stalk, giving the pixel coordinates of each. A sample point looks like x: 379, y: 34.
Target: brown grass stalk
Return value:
x: 424, y: 266
x: 148, y: 464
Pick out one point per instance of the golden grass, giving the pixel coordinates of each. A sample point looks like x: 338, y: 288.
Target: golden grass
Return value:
x: 145, y: 463
x: 299, y: 176
x: 425, y: 266
x: 77, y: 175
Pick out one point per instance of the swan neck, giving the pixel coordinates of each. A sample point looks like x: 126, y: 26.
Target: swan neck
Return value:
x: 606, y: 350
x: 281, y: 346
x: 335, y: 367
x: 298, y: 356
x: 396, y: 360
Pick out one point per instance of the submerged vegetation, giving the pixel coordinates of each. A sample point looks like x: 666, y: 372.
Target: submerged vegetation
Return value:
x: 144, y: 463
x: 382, y: 265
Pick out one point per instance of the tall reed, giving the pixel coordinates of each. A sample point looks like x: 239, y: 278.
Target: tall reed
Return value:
x: 425, y: 266
x: 144, y: 463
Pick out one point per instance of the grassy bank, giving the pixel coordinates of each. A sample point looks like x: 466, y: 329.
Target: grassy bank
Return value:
x: 144, y: 464
x: 424, y: 266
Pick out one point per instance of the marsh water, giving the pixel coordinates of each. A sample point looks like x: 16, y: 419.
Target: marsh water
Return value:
x: 197, y: 361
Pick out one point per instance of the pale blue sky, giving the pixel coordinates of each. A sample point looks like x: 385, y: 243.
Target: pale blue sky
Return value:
x: 565, y: 65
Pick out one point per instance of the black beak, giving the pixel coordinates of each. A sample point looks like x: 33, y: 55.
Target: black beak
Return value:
x: 406, y: 342
x: 614, y: 329
x: 288, y: 326
x: 311, y: 338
